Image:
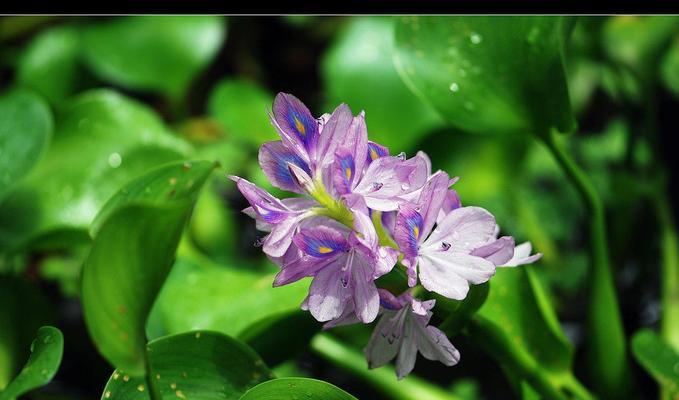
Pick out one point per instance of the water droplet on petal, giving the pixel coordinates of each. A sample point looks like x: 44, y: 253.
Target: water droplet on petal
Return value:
x: 377, y: 186
x: 402, y: 155
x: 445, y: 246
x: 114, y: 160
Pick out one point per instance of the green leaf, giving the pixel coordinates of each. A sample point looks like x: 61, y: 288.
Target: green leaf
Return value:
x: 669, y: 69
x: 240, y: 107
x: 25, y: 130
x: 50, y: 63
x: 102, y: 140
x: 201, y: 295
x: 489, y: 74
x: 460, y: 311
x: 658, y: 358
x: 296, y: 388
x: 358, y: 70
x: 193, y: 365
x: 42, y: 365
x: 135, y: 237
x: 162, y: 54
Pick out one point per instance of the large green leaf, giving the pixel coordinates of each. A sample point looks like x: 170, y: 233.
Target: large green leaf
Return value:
x: 358, y: 70
x: 296, y: 388
x: 50, y: 63
x: 25, y: 130
x: 489, y: 74
x: 153, y: 53
x: 193, y: 365
x: 42, y: 365
x: 101, y: 141
x: 658, y: 358
x: 241, y: 107
x: 135, y: 238
x: 519, y: 328
x: 202, y: 295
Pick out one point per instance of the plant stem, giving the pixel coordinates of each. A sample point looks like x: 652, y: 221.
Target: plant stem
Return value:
x: 607, y: 346
x: 382, y: 379
x: 669, y: 328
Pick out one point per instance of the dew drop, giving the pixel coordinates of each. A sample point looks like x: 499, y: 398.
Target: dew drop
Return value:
x: 47, y: 339
x: 475, y: 38
x: 114, y: 160
x: 140, y: 388
x: 107, y: 394
x: 445, y: 246
x: 377, y: 186
x: 402, y: 155
x: 454, y: 87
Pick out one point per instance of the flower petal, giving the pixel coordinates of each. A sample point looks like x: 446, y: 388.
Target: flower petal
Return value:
x: 267, y: 207
x: 321, y: 241
x: 385, y: 340
x: 522, y: 255
x: 431, y: 199
x: 280, y: 238
x: 333, y: 135
x: 498, y: 251
x: 375, y: 151
x: 298, y: 128
x: 366, y: 298
x: 434, y: 345
x: 462, y: 230
x: 407, y: 354
x: 448, y: 273
x: 328, y: 293
x: 274, y: 158
x: 408, y: 230
x: 344, y: 171
x: 451, y: 202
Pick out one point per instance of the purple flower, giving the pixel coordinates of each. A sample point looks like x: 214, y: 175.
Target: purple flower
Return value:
x: 345, y: 265
x: 445, y: 256
x: 403, y: 330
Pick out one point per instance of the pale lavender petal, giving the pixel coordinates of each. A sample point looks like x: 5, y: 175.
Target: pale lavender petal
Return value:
x: 348, y: 317
x: 298, y: 128
x: 333, y: 134
x: 386, y: 259
x: 462, y: 230
x: 356, y: 142
x: 299, y: 203
x: 431, y: 199
x: 329, y: 291
x: 448, y: 273
x: 407, y: 354
x: 298, y: 269
x: 434, y: 345
x: 411, y: 270
x: 389, y: 221
x: 422, y: 308
x: 274, y: 158
x: 408, y: 230
x: 260, y: 224
x: 366, y: 298
x: 301, y: 178
x: 522, y: 255
x: 280, y: 238
x: 321, y: 241
x: 498, y: 251
x: 385, y: 340
x: 267, y: 207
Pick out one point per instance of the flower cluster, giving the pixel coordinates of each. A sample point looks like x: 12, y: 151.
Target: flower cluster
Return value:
x: 361, y: 211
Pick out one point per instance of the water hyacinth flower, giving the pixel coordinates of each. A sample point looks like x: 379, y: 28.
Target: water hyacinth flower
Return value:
x: 362, y: 210
x: 403, y: 330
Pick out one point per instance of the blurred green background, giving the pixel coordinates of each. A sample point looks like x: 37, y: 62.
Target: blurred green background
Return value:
x: 88, y: 104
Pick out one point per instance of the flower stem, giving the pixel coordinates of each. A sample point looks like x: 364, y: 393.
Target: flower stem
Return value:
x: 382, y: 379
x: 607, y: 348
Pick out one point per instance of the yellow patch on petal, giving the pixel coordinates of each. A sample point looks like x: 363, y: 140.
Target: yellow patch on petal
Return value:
x: 324, y: 250
x: 300, y: 126
x: 373, y: 154
x: 347, y: 172
x: 416, y: 232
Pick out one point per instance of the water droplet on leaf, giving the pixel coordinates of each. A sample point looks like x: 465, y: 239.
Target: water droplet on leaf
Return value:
x: 114, y: 160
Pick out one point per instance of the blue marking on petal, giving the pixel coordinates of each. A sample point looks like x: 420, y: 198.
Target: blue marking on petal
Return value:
x: 408, y: 229
x: 347, y: 169
x: 322, y: 247
x: 282, y: 171
x: 303, y: 125
x: 376, y: 151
